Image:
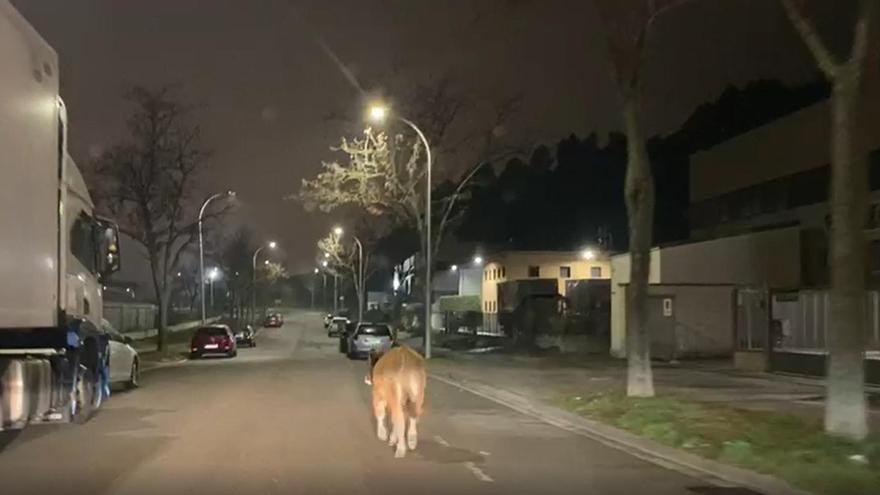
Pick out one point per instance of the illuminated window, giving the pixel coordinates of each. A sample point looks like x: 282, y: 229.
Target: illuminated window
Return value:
x: 564, y: 272
x: 596, y: 272
x: 534, y: 271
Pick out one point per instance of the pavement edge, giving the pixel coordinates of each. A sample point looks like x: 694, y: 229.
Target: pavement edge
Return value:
x: 668, y: 457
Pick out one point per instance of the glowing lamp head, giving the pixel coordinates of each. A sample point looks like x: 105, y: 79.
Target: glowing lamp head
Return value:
x: 324, y: 264
x: 273, y: 244
x: 453, y: 268
x: 588, y: 254
x: 378, y: 113
x: 337, y: 230
x: 478, y: 260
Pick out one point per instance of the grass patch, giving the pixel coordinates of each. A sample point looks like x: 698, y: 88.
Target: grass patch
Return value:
x: 789, y: 447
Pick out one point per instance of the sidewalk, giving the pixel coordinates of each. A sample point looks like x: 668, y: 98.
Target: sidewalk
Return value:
x: 556, y: 377
x: 707, y: 420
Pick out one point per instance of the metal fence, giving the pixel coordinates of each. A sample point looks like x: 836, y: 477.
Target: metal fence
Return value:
x: 130, y: 317
x: 803, y: 319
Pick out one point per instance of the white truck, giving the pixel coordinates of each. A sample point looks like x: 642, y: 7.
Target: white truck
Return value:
x: 54, y: 251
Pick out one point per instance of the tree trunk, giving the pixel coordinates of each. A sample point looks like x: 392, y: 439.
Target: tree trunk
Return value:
x: 163, y: 321
x: 639, y: 195
x: 845, y: 407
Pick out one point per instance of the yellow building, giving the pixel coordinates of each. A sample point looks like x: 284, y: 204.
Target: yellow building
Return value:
x: 523, y: 265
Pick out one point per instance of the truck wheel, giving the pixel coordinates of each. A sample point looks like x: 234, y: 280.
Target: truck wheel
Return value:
x: 85, y: 396
x: 134, y: 377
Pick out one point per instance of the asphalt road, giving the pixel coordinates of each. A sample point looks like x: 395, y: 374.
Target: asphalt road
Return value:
x: 293, y: 416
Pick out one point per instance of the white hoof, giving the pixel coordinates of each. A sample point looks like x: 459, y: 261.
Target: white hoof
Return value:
x: 400, y: 452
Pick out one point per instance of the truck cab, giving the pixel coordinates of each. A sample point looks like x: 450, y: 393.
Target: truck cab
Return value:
x: 54, y: 251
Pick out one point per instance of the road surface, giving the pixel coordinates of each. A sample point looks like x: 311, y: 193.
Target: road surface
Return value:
x: 293, y: 416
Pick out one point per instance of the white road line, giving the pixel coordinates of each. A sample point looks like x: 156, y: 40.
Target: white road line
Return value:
x: 484, y: 453
x: 440, y: 440
x: 478, y: 472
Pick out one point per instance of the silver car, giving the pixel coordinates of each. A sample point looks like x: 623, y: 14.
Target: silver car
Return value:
x: 368, y: 337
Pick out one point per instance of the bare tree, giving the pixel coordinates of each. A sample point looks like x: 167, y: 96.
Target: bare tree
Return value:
x: 147, y: 183
x: 627, y: 25
x: 845, y: 406
x: 235, y: 259
x: 342, y: 257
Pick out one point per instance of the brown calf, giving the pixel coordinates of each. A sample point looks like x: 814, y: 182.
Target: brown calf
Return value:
x: 398, y: 378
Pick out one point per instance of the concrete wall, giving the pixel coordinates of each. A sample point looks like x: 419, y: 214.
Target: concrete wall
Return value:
x: 620, y: 266
x: 772, y: 257
x: 703, y: 317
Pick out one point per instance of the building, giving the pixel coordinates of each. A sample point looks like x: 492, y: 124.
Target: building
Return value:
x: 757, y: 259
x: 562, y: 267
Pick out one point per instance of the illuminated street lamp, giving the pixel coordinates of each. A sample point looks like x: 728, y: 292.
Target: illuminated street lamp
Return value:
x: 271, y: 245
x: 227, y: 194
x: 588, y: 254
x: 453, y: 268
x: 379, y: 113
x: 478, y: 260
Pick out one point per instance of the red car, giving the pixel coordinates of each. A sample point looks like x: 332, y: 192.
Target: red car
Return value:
x: 213, y: 339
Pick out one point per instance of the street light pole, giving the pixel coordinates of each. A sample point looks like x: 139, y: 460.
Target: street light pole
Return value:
x: 361, y: 273
x: 230, y: 194
x: 380, y: 113
x: 271, y: 245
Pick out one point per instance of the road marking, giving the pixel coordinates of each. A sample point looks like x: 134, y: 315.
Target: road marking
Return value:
x: 478, y: 472
x: 440, y: 440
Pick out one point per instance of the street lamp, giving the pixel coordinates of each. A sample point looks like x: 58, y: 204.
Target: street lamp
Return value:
x: 271, y: 245
x: 478, y: 260
x: 453, y: 268
x: 213, y: 275
x: 361, y: 272
x: 378, y: 114
x: 588, y: 254
x: 228, y: 194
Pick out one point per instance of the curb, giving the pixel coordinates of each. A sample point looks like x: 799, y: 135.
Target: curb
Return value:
x: 163, y: 364
x: 685, y: 463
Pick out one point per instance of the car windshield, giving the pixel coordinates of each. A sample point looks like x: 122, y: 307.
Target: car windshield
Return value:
x: 213, y: 331
x: 375, y: 330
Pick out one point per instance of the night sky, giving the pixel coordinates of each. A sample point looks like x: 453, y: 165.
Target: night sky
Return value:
x: 267, y: 86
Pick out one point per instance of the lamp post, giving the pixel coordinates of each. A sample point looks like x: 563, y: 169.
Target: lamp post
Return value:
x: 361, y: 273
x: 231, y: 194
x: 212, y: 276
x: 271, y: 245
x: 379, y: 113
x: 324, y: 286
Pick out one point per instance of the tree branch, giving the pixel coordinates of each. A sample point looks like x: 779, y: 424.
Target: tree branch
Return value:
x: 824, y: 58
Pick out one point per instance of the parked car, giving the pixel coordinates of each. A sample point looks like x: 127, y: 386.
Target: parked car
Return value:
x: 369, y: 337
x: 213, y: 339
x: 124, y: 360
x: 246, y: 336
x: 273, y: 320
x: 337, y: 326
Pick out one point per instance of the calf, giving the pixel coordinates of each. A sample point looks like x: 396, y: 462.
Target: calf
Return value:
x: 398, y: 378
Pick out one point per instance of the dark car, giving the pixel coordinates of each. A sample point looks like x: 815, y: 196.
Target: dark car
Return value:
x: 213, y: 339
x: 273, y: 321
x: 246, y: 336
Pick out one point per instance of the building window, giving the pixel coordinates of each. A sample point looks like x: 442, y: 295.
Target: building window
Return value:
x: 595, y: 272
x: 564, y: 272
x: 503, y: 272
x: 534, y: 271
